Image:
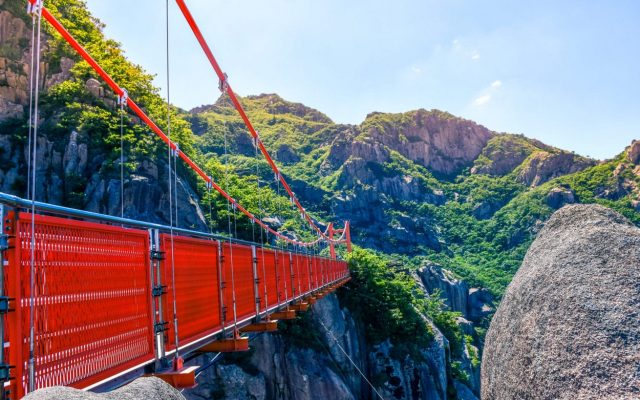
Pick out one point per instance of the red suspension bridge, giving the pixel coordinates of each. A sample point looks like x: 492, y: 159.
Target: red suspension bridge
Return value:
x: 86, y: 298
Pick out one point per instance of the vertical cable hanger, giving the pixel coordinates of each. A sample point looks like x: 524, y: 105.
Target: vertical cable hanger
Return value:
x: 122, y: 101
x: 31, y: 85
x: 35, y: 9
x: 172, y: 191
x: 229, y: 206
x: 261, y: 216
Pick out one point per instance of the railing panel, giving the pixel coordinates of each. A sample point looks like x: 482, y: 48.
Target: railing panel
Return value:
x: 92, y: 296
x: 268, y: 274
x: 196, y: 286
x: 238, y: 259
x: 304, y: 273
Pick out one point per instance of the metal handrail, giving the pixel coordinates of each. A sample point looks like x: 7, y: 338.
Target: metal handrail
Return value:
x: 18, y: 202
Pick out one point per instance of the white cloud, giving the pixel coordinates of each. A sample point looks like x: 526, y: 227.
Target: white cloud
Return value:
x: 475, y: 55
x: 482, y: 100
x: 416, y: 70
x: 496, y: 84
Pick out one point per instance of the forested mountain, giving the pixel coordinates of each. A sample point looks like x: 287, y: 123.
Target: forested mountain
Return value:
x: 438, y: 205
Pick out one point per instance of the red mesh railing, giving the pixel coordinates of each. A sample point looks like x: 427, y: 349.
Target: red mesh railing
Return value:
x: 240, y: 259
x: 92, y: 301
x: 197, y: 294
x: 271, y: 278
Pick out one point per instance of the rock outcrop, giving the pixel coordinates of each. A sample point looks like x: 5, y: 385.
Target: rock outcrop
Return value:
x: 473, y: 303
x: 558, y: 197
x: 434, y: 139
x: 567, y: 327
x: 543, y: 166
x: 454, y: 292
x: 140, y: 389
x: 633, y: 152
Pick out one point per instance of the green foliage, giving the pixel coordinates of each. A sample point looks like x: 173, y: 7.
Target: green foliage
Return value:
x: 387, y: 302
x: 458, y: 372
x: 472, y: 351
x: 433, y: 305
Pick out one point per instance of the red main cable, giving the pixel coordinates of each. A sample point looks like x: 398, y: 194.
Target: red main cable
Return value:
x: 224, y: 86
x: 141, y: 114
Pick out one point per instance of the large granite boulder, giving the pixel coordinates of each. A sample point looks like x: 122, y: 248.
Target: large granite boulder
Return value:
x: 568, y: 326
x: 140, y: 389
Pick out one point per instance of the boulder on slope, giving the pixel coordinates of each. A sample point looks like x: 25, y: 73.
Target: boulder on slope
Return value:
x: 140, y: 389
x: 568, y: 326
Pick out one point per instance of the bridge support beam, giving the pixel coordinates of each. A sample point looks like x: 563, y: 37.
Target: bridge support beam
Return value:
x: 182, y: 379
x: 230, y: 345
x: 262, y: 326
x: 285, y: 314
x: 299, y: 306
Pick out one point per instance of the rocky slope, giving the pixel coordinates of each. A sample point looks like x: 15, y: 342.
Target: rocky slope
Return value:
x: 313, y: 366
x: 567, y: 326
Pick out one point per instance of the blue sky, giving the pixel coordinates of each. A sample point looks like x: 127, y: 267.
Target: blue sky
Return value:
x: 564, y: 72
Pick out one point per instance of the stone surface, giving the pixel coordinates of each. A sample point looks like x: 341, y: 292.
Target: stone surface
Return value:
x: 558, y: 197
x: 543, y: 166
x: 633, y: 153
x: 454, y: 292
x: 140, y: 389
x: 567, y: 327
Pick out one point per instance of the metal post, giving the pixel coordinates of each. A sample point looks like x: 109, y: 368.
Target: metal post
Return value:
x: 158, y: 291
x: 284, y: 276
x: 221, y: 286
x: 278, y: 296
x: 4, y: 304
x: 293, y: 284
x: 310, y: 269
x: 298, y: 273
x: 256, y: 280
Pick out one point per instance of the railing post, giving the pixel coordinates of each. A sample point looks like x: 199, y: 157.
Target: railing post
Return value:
x: 310, y: 269
x: 293, y: 284
x: 298, y: 273
x: 221, y: 286
x: 157, y: 290
x: 4, y: 304
x: 256, y: 280
x: 277, y: 266
x: 284, y: 279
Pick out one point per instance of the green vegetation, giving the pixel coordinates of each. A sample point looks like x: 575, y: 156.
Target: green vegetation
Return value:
x: 388, y: 302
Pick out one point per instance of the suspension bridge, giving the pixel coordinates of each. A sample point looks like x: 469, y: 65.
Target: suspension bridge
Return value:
x: 88, y: 299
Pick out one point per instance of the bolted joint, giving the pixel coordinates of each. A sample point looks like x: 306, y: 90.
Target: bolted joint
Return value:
x: 258, y: 300
x: 4, y: 304
x: 223, y: 85
x: 4, y: 242
x: 224, y: 313
x: 159, y: 290
x: 34, y: 7
x: 122, y: 98
x: 5, y: 372
x: 160, y: 327
x: 157, y: 255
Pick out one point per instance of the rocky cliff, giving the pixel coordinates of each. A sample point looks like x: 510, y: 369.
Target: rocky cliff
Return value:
x: 310, y: 364
x: 567, y: 326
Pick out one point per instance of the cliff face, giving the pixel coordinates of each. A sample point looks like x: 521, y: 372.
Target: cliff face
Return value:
x: 434, y: 139
x: 314, y: 366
